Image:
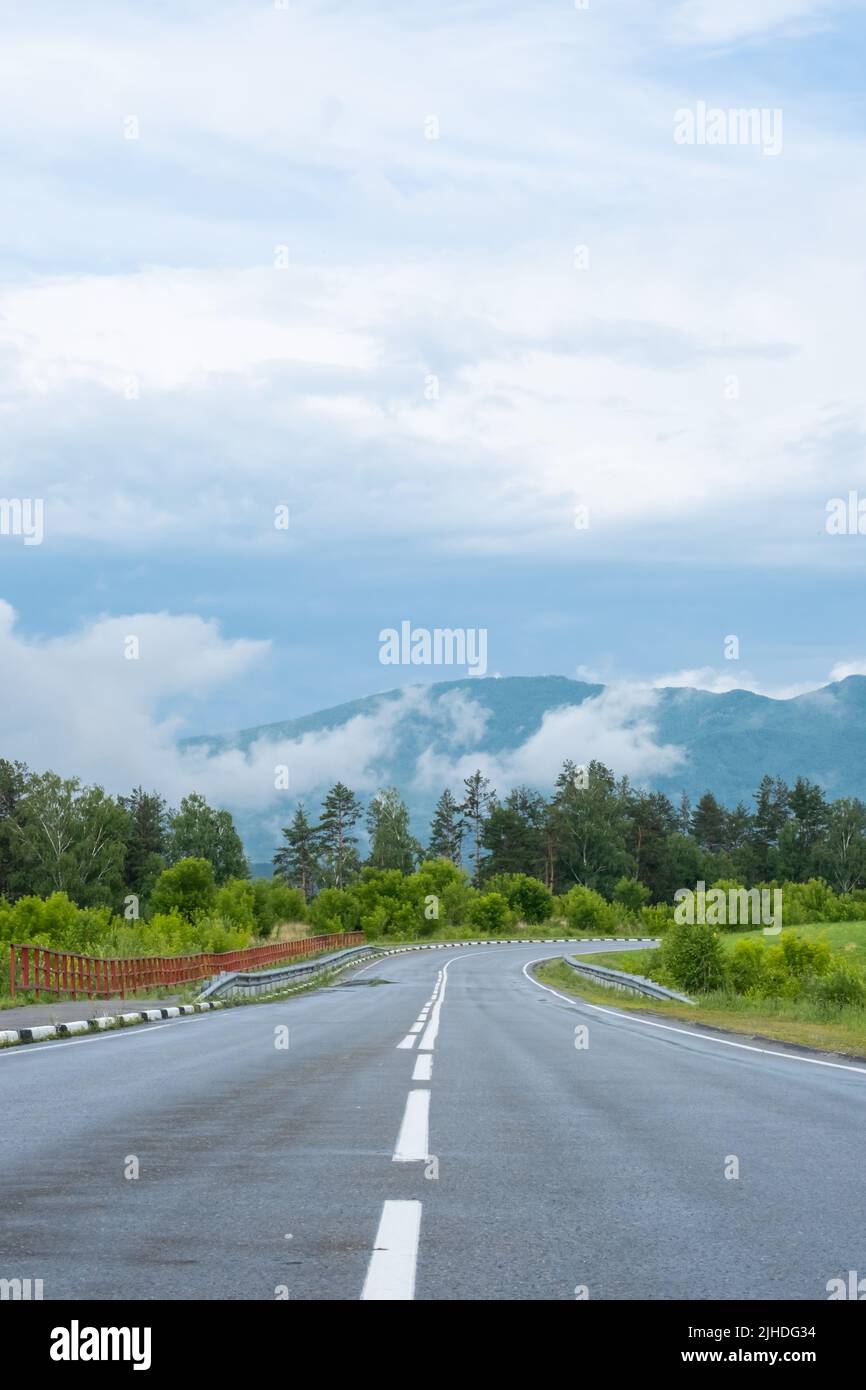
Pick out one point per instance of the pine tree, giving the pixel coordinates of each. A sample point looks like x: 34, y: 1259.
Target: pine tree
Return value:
x: 513, y: 835
x: 708, y: 823
x: 474, y: 809
x: 341, y: 811
x: 148, y: 840
x: 446, y: 830
x: 297, y: 861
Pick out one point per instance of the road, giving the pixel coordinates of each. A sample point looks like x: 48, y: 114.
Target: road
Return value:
x: 484, y: 1153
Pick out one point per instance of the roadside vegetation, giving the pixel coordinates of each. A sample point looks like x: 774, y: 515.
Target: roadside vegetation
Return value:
x: 86, y: 872
x: 805, y: 986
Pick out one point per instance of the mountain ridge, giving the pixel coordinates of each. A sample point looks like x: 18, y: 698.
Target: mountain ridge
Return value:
x: 692, y: 740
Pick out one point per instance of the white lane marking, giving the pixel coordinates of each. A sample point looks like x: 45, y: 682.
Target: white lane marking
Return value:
x: 409, y: 1040
x: 391, y: 1271
x: 423, y: 1067
x: 687, y: 1032
x: 412, y: 1142
x: 416, y: 1027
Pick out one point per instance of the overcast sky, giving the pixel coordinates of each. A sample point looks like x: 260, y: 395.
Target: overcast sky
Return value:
x: 433, y: 277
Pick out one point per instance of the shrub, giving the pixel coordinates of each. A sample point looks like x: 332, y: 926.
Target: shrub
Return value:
x: 841, y: 985
x: 586, y: 910
x: 745, y: 966
x: 187, y: 887
x: 490, y: 913
x: 334, y: 910
x: 527, y: 896
x: 656, y: 918
x: 632, y: 894
x: 692, y: 957
x: 275, y: 902
x: 235, y: 901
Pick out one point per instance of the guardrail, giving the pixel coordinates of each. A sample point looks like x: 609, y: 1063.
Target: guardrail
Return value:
x: 621, y: 979
x: 269, y: 981
x: 45, y: 971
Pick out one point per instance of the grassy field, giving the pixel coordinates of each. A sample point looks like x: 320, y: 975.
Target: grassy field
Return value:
x: 795, y: 1021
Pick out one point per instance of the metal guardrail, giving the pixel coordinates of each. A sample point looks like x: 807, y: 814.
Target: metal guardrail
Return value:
x: 621, y: 979
x: 240, y: 982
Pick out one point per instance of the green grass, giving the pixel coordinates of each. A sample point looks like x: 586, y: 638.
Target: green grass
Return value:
x: 800, y: 1021
x: 848, y: 938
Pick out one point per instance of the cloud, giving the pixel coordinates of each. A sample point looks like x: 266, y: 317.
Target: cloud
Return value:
x: 708, y: 22
x: 720, y: 682
x: 615, y: 727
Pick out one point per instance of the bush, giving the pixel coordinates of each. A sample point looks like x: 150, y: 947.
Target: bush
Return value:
x: 275, y: 902
x: 527, y: 896
x: 187, y: 887
x: 334, y: 910
x: 235, y: 902
x: 746, y: 967
x: 490, y: 913
x: 842, y: 985
x: 692, y: 957
x: 586, y: 910
x: 632, y: 894
x: 656, y: 918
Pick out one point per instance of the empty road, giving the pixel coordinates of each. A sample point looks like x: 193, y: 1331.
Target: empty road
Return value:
x: 432, y: 1127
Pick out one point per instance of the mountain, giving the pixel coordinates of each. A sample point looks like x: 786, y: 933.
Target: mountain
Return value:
x: 521, y: 729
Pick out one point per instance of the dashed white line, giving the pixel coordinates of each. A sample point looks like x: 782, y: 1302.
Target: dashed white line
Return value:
x: 391, y: 1272
x: 409, y: 1040
x: 423, y: 1067
x: 412, y: 1141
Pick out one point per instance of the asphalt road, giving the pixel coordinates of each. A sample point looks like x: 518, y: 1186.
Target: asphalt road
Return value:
x: 484, y: 1155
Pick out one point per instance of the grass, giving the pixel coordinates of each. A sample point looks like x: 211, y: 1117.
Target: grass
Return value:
x: 799, y: 1021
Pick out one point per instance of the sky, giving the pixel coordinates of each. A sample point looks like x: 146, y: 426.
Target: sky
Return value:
x: 443, y: 287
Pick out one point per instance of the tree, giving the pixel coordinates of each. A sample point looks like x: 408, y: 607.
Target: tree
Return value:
x: 392, y: 844
x: 474, y: 809
x: 341, y: 811
x: 800, y: 835
x: 446, y: 830
x: 71, y: 839
x: 632, y: 894
x: 200, y: 832
x: 513, y: 835
x: 842, y: 852
x: 651, y: 818
x: 684, y: 815
x: 187, y: 888
x: 590, y: 824
x: 148, y: 840
x: 708, y: 823
x: 13, y: 784
x: 297, y: 861
x: 771, y: 812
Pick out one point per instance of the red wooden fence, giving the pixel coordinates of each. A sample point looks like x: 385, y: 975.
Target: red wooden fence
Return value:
x: 61, y: 972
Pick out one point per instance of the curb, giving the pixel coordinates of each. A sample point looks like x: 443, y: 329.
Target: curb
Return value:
x: 10, y: 1036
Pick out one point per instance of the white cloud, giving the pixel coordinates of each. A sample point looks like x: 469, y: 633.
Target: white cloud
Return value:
x: 615, y: 727
x: 708, y: 21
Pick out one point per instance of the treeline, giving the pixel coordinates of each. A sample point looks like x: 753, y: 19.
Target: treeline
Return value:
x: 594, y: 831
x: 57, y: 836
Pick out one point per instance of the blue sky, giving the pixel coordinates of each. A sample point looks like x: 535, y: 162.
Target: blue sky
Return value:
x: 166, y: 381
